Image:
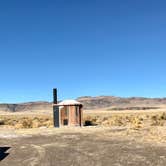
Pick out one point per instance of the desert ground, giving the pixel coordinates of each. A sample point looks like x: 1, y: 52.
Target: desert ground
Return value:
x: 116, y: 138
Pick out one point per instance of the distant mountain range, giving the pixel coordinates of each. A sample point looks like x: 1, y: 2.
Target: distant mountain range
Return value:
x: 109, y: 102
x: 29, y: 106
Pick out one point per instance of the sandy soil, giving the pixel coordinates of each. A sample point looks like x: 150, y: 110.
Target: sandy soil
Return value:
x: 94, y: 146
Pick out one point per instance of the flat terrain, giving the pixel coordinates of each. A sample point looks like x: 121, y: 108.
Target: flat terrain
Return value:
x: 120, y: 138
x: 94, y: 146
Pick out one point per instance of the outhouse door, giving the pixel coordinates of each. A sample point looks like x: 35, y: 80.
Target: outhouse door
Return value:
x: 65, y: 116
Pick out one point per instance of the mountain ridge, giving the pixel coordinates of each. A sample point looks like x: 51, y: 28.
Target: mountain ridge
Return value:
x: 89, y: 102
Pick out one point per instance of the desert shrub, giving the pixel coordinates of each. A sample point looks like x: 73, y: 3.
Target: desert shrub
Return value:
x: 35, y: 124
x: 163, y: 116
x: 2, y: 122
x: 105, y: 118
x: 136, y: 122
x: 141, y: 119
x: 113, y: 121
x: 158, y: 120
x: 147, y: 116
x: 18, y: 126
x: 157, y: 123
x: 27, y: 123
x: 118, y: 121
x: 154, y: 117
x: 48, y: 123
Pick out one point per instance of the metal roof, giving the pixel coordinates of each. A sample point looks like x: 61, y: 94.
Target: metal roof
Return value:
x: 69, y: 102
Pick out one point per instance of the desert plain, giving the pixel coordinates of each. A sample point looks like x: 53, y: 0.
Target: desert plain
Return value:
x: 110, y: 138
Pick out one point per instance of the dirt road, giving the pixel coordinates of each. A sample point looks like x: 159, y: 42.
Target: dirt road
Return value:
x: 92, y: 147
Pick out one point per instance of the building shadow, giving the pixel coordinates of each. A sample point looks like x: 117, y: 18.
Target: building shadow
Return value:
x: 3, y: 153
x: 89, y: 123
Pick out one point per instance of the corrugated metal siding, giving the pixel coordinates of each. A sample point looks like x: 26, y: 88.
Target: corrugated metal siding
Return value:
x: 56, y: 116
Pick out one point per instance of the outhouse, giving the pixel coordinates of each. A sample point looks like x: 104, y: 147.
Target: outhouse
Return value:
x: 67, y: 112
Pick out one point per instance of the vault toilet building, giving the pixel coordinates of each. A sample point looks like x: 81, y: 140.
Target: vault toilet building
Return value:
x: 67, y: 112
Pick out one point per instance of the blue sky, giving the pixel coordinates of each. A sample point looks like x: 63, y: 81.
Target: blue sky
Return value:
x: 82, y: 47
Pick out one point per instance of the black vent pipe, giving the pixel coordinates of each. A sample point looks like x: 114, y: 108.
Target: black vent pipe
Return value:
x: 55, y: 101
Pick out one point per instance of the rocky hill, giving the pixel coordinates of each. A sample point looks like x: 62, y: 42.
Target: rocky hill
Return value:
x: 117, y: 103
x: 30, y: 106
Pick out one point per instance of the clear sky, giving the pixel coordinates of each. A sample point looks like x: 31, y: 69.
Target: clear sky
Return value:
x: 82, y: 47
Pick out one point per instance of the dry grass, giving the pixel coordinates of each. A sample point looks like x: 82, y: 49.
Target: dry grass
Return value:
x: 28, y: 121
x: 131, y: 120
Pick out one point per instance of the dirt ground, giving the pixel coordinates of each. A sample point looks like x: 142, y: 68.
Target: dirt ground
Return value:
x: 86, y: 146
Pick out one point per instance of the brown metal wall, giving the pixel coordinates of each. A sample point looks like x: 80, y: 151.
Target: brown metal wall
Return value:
x: 73, y: 120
